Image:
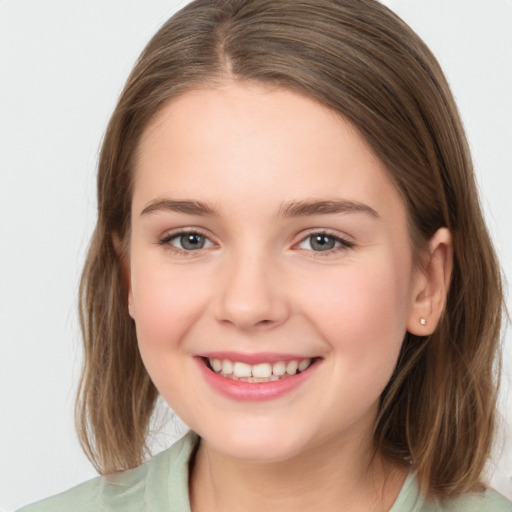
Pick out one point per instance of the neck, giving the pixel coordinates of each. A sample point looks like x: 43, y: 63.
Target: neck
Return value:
x: 331, y: 474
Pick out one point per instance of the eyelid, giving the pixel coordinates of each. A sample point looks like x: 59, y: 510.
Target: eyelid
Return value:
x: 344, y: 241
x: 165, y: 239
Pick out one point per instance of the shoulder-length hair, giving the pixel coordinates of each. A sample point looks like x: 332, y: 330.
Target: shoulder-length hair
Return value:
x: 363, y: 62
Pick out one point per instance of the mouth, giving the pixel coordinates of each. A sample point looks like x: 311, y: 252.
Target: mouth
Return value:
x: 269, y: 371
x: 255, y: 377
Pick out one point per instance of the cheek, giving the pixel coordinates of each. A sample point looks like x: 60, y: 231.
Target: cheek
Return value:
x: 362, y: 312
x: 166, y: 306
x: 166, y: 303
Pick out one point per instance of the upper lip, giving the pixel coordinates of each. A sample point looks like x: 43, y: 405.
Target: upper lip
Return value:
x: 255, y: 358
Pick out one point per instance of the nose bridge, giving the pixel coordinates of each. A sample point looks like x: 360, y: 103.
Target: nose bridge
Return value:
x: 249, y: 294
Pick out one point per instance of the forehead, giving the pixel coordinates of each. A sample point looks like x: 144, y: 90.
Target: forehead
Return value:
x: 243, y: 143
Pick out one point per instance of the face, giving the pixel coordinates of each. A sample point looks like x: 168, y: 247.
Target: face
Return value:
x: 271, y: 271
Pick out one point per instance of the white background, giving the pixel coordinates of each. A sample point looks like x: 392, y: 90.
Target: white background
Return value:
x: 62, y: 66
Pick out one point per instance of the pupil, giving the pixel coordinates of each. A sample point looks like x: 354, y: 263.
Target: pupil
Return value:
x: 192, y: 241
x: 322, y: 243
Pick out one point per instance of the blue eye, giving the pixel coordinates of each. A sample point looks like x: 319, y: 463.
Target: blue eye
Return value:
x: 187, y: 241
x: 191, y: 241
x: 323, y: 242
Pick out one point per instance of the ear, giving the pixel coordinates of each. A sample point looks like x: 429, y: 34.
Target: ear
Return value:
x: 124, y: 261
x: 431, y: 285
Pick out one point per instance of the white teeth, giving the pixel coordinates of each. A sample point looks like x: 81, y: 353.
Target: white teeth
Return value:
x: 227, y: 367
x: 304, y: 364
x: 291, y: 367
x: 216, y: 364
x: 241, y: 369
x: 279, y: 369
x: 262, y: 372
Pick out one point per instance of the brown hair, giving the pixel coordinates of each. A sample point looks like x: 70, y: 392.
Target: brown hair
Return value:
x: 362, y: 61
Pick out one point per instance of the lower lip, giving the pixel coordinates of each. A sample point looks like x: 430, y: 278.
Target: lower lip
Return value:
x: 253, y: 391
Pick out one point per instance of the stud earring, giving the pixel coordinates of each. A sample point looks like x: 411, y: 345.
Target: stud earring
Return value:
x: 423, y: 321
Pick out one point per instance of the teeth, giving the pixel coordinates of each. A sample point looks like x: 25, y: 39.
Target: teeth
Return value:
x: 304, y: 364
x: 279, y: 369
x: 263, y: 372
x: 227, y: 367
x: 242, y: 370
x: 291, y: 367
x: 216, y: 364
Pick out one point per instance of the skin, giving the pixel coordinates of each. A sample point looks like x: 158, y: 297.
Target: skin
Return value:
x: 258, y: 285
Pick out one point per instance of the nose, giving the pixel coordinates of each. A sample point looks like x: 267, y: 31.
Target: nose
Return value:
x: 250, y: 294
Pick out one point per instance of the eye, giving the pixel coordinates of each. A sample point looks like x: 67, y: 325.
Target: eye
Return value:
x: 324, y: 242
x: 187, y: 241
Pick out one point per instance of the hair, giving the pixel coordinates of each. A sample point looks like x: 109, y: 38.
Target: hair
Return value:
x: 362, y: 61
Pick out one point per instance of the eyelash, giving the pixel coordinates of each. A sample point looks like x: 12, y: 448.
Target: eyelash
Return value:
x: 166, y: 240
x: 344, y: 244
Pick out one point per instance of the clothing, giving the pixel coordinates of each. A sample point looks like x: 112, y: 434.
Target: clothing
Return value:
x: 161, y: 485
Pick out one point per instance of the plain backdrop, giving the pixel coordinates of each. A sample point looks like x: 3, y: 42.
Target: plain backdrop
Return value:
x: 62, y: 66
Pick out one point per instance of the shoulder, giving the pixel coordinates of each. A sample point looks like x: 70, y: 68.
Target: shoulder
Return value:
x: 411, y: 500
x: 84, y: 494
x: 489, y: 501
x: 159, y: 481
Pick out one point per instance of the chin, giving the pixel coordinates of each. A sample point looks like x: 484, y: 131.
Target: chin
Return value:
x: 255, y: 444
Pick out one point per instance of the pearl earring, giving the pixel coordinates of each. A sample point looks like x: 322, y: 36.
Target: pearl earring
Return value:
x: 423, y: 321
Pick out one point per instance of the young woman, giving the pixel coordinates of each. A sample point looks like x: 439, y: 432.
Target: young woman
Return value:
x: 290, y: 251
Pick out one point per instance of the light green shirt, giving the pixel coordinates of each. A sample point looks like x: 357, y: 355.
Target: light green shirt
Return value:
x: 161, y: 485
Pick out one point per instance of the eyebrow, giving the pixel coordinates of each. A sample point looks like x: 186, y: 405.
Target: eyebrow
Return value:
x: 306, y: 208
x: 290, y: 209
x: 188, y: 207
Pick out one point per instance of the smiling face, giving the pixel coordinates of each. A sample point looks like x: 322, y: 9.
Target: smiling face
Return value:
x: 265, y: 235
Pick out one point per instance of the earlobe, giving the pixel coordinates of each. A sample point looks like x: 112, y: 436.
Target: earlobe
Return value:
x: 124, y: 261
x: 432, y: 285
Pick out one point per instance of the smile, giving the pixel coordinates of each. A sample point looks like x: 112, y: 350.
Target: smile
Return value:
x: 255, y: 377
x: 261, y: 372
